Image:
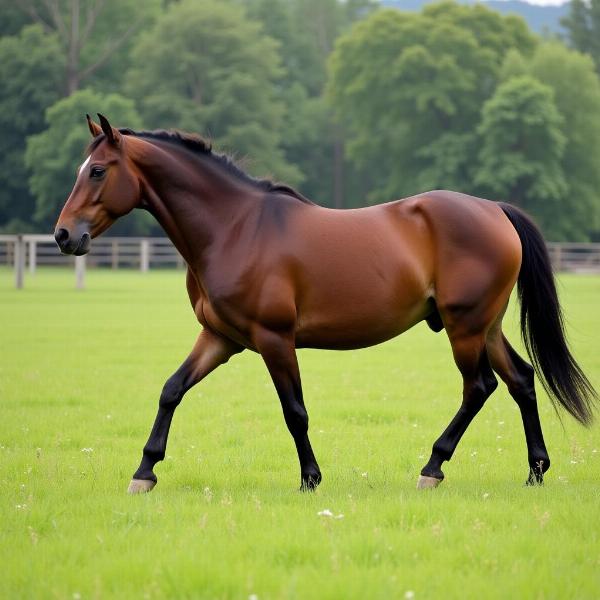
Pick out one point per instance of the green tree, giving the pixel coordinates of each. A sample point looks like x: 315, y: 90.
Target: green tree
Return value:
x: 521, y: 149
x: 306, y: 31
x: 95, y: 35
x: 14, y: 18
x: 576, y: 91
x: 583, y: 27
x: 409, y: 89
x: 30, y: 72
x: 206, y: 67
x: 54, y: 155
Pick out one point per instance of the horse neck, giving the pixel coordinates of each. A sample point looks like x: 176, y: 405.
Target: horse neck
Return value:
x: 194, y: 199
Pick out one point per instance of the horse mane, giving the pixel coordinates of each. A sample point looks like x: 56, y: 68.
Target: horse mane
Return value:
x: 200, y: 146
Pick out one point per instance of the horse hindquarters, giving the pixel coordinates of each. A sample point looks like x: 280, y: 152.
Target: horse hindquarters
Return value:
x: 477, y: 263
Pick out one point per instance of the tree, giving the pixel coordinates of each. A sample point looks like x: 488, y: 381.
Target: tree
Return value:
x: 521, y: 148
x: 565, y: 71
x: 54, y: 155
x: 583, y: 27
x: 409, y: 88
x: 205, y: 67
x: 91, y: 32
x: 306, y: 31
x: 30, y: 71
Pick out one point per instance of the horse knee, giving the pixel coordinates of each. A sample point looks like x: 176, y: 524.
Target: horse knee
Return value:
x: 479, y: 391
x: 171, y: 394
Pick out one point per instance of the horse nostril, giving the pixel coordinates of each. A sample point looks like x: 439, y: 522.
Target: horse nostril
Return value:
x: 61, y: 235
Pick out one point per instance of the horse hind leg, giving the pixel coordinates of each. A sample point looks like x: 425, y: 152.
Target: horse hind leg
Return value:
x: 518, y: 375
x: 478, y: 384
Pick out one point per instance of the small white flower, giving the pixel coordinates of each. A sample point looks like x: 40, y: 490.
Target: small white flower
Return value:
x: 327, y: 513
x: 486, y: 496
x: 87, y: 450
x: 500, y: 422
x: 409, y: 594
x: 365, y: 474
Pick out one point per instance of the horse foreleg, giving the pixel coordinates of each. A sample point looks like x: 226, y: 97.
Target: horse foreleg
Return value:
x: 279, y: 355
x: 478, y: 383
x: 210, y: 351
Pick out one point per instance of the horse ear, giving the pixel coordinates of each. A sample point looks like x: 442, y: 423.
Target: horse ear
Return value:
x: 95, y: 129
x: 112, y: 135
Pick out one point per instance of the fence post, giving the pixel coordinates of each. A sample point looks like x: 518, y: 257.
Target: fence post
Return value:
x: 80, y: 272
x: 114, y: 248
x: 144, y: 255
x: 19, y: 262
x: 559, y: 258
x: 32, y: 256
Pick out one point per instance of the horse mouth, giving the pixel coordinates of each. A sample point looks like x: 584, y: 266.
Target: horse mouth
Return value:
x: 83, y: 247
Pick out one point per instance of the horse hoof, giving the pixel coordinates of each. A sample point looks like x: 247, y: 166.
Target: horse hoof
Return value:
x: 427, y: 482
x: 140, y: 486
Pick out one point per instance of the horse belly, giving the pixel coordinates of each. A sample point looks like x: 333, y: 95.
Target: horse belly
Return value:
x: 367, y: 311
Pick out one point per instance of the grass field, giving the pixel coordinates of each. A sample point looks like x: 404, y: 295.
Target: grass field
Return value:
x: 80, y: 376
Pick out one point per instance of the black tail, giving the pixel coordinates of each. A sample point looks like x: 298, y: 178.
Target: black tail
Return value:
x: 542, y: 325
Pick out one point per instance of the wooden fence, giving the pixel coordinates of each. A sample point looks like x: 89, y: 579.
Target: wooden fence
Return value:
x: 25, y: 253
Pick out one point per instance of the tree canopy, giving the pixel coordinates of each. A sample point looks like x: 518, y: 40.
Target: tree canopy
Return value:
x: 351, y: 102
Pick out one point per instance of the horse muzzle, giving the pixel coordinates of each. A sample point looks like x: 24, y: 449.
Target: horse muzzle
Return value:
x: 77, y: 243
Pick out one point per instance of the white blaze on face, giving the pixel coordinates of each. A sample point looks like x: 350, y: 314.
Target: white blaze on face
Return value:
x: 84, y: 164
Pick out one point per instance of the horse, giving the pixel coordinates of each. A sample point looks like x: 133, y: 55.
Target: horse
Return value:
x: 270, y: 271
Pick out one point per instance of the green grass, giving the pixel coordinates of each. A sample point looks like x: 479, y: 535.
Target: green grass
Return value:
x: 83, y: 370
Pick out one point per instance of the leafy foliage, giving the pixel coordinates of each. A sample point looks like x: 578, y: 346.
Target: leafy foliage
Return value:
x: 583, y: 27
x: 353, y: 103
x: 54, y: 155
x: 522, y: 145
x: 440, y: 66
x: 30, y: 72
x: 204, y: 67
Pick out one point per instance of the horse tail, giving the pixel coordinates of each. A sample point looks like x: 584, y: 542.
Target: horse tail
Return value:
x: 542, y: 324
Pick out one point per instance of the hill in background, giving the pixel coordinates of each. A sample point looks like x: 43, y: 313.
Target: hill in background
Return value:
x: 541, y: 19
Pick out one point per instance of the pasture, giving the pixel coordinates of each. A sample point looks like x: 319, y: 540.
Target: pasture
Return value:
x: 80, y: 376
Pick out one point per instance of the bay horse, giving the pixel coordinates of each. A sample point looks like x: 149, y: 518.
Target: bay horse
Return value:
x: 269, y: 271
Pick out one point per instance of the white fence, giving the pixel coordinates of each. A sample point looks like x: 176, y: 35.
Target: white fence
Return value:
x: 28, y: 252
x: 25, y: 253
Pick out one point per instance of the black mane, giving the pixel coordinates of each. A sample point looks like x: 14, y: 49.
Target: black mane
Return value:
x: 198, y: 145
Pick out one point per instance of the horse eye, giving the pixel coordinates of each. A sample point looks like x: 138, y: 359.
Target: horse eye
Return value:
x: 97, y: 172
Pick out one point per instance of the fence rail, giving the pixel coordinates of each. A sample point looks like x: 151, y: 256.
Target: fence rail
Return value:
x: 29, y: 251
